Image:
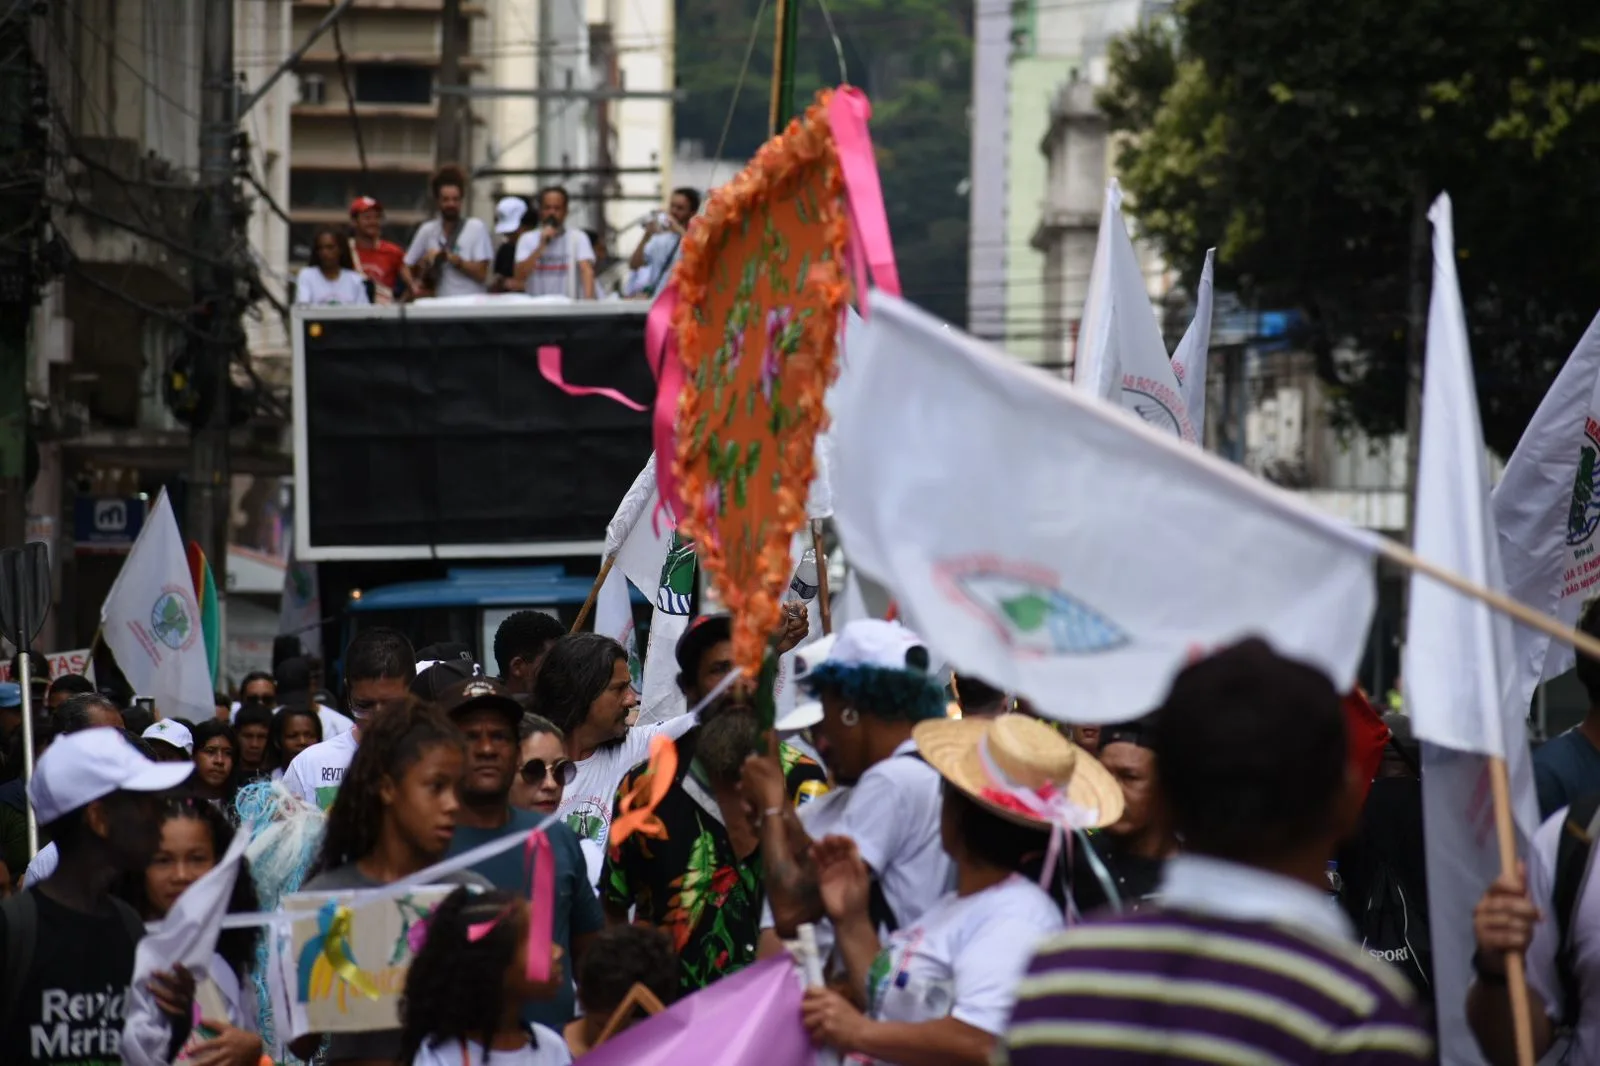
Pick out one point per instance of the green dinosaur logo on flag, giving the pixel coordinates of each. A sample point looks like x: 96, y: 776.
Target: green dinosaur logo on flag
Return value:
x: 1584, y: 515
x: 676, y: 594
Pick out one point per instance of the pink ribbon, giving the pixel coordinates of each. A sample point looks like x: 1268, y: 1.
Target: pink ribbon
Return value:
x: 550, y: 369
x: 540, y: 860
x: 661, y: 348
x: 870, y: 246
x: 538, y: 857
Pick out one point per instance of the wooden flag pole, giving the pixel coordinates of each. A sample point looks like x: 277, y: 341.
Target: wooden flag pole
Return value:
x: 94, y: 646
x: 1516, y: 975
x: 824, y: 608
x: 1401, y: 555
x: 594, y: 594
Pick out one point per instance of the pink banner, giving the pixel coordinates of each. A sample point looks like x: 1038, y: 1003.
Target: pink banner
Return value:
x: 661, y: 348
x: 749, y: 1019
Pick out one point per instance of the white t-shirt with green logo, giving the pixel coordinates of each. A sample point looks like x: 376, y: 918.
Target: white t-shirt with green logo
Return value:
x: 316, y: 773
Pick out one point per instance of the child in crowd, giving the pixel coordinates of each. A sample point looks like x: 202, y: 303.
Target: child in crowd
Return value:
x: 620, y: 958
x: 194, y: 837
x: 393, y: 817
x: 464, y: 996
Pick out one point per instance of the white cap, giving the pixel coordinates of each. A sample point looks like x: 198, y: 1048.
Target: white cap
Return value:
x: 508, y: 214
x: 886, y: 645
x: 169, y: 732
x: 806, y: 658
x: 79, y: 768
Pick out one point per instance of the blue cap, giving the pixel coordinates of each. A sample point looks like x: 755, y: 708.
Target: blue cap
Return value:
x: 10, y: 694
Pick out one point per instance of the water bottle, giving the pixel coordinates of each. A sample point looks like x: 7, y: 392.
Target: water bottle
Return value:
x: 803, y: 589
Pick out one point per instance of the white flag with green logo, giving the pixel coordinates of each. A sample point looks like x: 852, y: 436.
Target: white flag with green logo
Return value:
x: 649, y: 554
x: 152, y: 623
x: 1037, y: 537
x: 1547, y: 506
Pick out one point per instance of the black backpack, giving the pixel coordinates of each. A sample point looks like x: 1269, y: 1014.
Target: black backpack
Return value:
x: 1394, y: 928
x: 1574, y: 860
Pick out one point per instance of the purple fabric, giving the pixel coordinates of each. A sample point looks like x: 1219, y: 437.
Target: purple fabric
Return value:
x: 1152, y: 1013
x: 749, y: 1019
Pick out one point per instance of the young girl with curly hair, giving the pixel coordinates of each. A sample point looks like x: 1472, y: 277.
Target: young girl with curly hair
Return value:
x: 394, y: 817
x: 464, y: 997
x: 195, y: 835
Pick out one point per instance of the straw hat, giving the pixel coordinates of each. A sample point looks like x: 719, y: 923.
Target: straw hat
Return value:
x: 1031, y: 755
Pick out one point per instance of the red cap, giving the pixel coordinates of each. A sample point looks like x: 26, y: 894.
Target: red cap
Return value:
x: 364, y: 203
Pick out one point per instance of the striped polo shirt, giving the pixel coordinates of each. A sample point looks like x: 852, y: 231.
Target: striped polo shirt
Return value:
x: 1178, y: 986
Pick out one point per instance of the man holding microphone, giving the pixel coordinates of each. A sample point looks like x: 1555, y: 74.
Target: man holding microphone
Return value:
x: 553, y: 260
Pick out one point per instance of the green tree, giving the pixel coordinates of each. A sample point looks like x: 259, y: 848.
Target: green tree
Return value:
x: 1303, y: 139
x: 913, y: 58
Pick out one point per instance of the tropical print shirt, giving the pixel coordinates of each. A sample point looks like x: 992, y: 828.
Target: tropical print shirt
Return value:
x: 691, y: 885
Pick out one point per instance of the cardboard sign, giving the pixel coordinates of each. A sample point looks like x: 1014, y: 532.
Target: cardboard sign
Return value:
x: 377, y: 939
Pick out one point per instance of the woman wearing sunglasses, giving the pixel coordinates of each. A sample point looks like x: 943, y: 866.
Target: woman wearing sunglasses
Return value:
x: 543, y: 771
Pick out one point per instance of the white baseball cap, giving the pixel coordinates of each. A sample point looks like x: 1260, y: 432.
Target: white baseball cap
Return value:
x: 806, y: 658
x: 886, y: 645
x: 508, y: 214
x: 79, y: 768
x: 169, y: 732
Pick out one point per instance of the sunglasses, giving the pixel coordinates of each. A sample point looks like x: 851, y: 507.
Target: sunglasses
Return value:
x: 534, y: 771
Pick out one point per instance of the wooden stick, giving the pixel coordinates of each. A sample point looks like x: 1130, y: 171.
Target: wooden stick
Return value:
x: 1516, y: 977
x: 94, y: 645
x: 594, y: 594
x: 1399, y: 554
x: 824, y: 607
x: 638, y: 998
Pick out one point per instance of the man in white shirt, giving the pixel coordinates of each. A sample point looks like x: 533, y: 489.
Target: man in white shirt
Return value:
x: 874, y: 685
x: 1522, y: 914
x: 663, y: 235
x: 379, y: 668
x: 555, y: 259
x: 585, y: 688
x: 450, y: 255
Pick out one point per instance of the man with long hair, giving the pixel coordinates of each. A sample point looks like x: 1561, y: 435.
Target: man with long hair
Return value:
x: 450, y: 254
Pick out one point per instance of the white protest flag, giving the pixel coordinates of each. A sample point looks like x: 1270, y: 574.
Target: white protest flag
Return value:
x: 1461, y: 681
x: 152, y: 624
x: 640, y: 537
x: 300, y: 606
x: 1121, y: 357
x: 1087, y: 554
x: 187, y: 937
x: 1547, y: 506
x: 1189, y: 361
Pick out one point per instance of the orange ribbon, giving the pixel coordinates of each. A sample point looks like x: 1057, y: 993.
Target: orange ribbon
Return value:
x: 636, y: 810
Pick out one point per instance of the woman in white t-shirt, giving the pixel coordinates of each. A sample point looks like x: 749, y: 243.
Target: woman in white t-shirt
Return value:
x: 947, y: 982
x: 332, y: 278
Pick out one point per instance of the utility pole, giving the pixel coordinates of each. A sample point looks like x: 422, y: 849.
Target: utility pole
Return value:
x: 209, y: 499
x: 21, y: 178
x: 452, y: 139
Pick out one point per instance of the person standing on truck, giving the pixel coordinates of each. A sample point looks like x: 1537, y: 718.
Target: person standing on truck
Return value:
x: 555, y: 260
x: 331, y: 278
x: 451, y: 254
x: 512, y: 218
x: 379, y: 668
x: 383, y: 262
x: 663, y: 234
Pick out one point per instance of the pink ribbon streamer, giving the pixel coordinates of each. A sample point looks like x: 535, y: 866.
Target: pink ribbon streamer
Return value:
x: 661, y: 348
x: 870, y: 246
x: 550, y: 370
x: 538, y: 857
x: 540, y: 861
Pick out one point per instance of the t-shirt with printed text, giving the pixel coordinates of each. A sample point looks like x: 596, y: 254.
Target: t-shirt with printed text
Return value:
x: 316, y: 773
x: 74, y: 998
